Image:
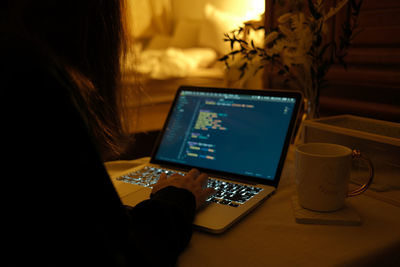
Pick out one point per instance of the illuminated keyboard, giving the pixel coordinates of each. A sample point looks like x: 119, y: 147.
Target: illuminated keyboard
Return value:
x: 228, y: 193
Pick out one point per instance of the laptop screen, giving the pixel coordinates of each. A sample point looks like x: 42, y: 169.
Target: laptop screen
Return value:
x: 238, y: 132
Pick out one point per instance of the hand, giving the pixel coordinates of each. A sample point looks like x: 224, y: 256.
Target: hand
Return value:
x: 194, y: 181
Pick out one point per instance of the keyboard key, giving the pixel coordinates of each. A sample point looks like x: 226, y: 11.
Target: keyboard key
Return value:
x: 224, y: 202
x: 228, y: 193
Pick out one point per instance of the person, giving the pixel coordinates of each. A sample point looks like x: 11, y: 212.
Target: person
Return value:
x: 62, y: 109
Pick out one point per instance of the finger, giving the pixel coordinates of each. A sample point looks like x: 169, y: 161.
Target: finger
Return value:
x: 202, y: 179
x: 163, y: 177
x: 175, y: 175
x: 161, y: 180
x: 209, y: 191
x: 206, y: 193
x: 193, y: 173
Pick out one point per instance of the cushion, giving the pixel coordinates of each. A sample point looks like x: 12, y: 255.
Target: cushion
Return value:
x: 216, y: 24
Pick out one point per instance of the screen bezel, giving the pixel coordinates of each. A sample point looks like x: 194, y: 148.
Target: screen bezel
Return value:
x: 239, y: 177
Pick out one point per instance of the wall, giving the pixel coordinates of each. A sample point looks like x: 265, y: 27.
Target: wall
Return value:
x: 371, y: 84
x: 193, y: 9
x: 149, y: 17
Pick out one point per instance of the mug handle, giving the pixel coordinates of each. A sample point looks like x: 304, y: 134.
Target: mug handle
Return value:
x: 356, y: 154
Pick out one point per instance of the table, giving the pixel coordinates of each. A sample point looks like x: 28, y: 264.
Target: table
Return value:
x: 270, y: 236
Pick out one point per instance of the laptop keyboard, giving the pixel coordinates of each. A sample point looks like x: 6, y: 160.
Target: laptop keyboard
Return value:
x: 228, y: 193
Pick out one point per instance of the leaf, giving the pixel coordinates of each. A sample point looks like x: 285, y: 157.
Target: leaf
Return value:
x: 243, y: 67
x: 224, y: 58
x: 355, y: 6
x: 313, y: 11
x: 241, y: 74
x: 253, y: 52
x: 227, y: 65
x: 233, y: 53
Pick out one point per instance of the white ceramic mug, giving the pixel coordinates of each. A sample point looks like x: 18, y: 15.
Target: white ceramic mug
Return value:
x: 323, y: 175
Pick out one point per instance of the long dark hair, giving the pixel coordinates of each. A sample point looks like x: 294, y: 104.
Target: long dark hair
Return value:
x: 87, y: 38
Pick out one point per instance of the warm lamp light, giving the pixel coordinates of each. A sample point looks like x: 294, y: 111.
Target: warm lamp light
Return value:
x: 250, y: 9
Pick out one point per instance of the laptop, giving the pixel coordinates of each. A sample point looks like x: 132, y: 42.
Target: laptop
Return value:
x: 238, y: 137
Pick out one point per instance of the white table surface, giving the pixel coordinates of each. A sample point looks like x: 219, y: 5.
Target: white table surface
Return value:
x: 270, y: 236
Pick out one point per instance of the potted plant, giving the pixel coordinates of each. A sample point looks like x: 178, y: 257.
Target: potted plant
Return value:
x: 298, y: 49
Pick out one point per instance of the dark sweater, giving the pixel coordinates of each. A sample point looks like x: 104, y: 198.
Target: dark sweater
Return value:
x: 60, y: 207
